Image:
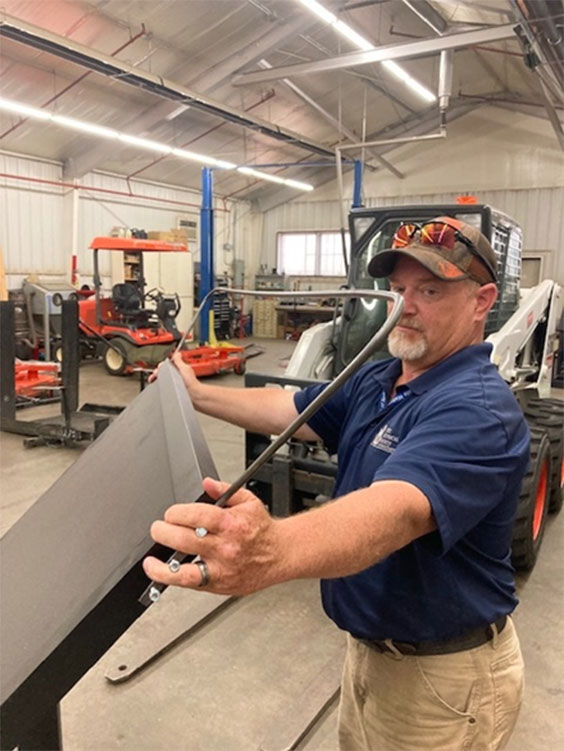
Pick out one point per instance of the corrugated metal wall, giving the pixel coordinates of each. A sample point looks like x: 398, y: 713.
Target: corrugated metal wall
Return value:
x: 35, y: 232
x: 31, y: 218
x: 36, y: 218
x: 539, y: 211
x: 100, y: 212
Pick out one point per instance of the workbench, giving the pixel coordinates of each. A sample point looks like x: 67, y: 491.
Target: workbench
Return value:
x: 293, y: 320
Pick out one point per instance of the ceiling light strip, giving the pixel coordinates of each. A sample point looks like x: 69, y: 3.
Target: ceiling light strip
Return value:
x: 349, y: 33
x: 26, y: 110
x: 274, y: 178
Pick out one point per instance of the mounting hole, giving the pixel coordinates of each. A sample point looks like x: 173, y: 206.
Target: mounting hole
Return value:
x: 122, y: 667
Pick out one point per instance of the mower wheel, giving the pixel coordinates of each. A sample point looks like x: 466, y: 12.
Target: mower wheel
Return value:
x: 115, y: 361
x: 240, y: 367
x: 533, y: 504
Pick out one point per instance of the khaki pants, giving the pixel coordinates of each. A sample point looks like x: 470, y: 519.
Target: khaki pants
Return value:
x: 453, y: 702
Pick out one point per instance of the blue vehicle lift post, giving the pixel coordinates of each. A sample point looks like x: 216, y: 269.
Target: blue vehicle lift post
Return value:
x: 357, y: 188
x: 207, y: 280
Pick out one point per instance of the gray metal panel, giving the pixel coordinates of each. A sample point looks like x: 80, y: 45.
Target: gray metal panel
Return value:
x: 78, y: 540
x: 224, y: 688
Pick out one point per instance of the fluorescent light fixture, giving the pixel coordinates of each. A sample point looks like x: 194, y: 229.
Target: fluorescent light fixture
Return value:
x: 400, y: 73
x: 26, y: 110
x: 145, y: 143
x: 274, y: 178
x: 298, y: 184
x: 352, y: 36
x: 92, y: 128
x: 202, y: 158
x: 23, y: 109
x: 323, y: 13
x: 222, y: 164
x: 363, y: 44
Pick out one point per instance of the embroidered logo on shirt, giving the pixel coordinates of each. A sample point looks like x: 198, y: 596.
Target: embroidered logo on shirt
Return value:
x: 385, y: 440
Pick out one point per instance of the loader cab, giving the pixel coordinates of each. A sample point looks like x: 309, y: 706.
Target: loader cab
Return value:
x: 372, y: 230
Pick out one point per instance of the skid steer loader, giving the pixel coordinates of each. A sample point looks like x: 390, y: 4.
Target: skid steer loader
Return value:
x: 521, y: 327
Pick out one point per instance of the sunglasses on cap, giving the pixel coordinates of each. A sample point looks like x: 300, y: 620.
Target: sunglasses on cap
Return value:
x: 437, y: 234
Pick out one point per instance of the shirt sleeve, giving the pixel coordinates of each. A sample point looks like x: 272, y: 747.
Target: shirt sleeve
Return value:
x: 463, y: 459
x: 325, y: 422
x: 329, y: 419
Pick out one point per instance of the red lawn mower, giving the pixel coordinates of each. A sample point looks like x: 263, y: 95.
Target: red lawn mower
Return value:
x: 135, y: 328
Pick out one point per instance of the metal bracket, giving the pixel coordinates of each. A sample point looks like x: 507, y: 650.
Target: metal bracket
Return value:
x: 171, y: 624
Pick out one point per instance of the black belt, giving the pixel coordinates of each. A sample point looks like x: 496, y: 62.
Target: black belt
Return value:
x: 474, y: 638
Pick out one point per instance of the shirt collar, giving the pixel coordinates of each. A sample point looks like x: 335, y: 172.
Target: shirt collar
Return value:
x: 471, y: 355
x: 461, y: 360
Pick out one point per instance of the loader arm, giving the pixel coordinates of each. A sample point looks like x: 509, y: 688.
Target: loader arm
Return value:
x: 523, y: 349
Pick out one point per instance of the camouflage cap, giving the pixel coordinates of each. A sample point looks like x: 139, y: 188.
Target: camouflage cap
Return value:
x: 477, y: 262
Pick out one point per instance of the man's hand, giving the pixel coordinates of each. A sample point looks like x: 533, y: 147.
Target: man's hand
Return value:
x: 241, y: 550
x: 188, y: 375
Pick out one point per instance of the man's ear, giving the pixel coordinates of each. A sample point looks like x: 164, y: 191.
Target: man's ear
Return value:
x: 485, y: 299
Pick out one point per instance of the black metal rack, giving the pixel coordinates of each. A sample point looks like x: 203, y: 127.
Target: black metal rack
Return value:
x: 72, y: 424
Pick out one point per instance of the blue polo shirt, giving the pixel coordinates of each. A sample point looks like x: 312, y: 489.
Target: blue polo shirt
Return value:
x: 456, y: 433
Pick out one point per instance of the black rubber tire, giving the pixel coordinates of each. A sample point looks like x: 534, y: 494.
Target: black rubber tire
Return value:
x: 112, y: 362
x: 24, y: 351
x: 532, y: 510
x: 548, y: 414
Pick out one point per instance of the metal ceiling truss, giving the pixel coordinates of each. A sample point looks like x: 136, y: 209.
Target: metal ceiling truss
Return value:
x: 400, y: 51
x: 33, y: 36
x: 428, y: 15
x: 142, y: 122
x: 361, y: 75
x: 419, y: 124
x: 335, y: 122
x: 435, y: 21
x: 542, y: 44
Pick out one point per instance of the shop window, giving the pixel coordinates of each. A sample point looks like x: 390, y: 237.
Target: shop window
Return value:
x: 311, y: 253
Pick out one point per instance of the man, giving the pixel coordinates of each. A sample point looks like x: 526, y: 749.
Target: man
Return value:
x: 414, y: 552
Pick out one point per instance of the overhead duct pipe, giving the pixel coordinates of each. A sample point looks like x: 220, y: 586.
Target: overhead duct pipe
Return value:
x: 33, y: 36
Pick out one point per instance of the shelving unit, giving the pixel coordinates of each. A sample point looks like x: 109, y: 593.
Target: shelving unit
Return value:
x: 264, y: 310
x: 132, y: 271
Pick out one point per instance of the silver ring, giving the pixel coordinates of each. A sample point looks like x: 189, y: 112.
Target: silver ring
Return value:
x: 204, y: 573
x: 200, y: 531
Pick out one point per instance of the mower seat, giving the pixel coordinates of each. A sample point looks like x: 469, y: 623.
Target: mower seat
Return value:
x: 127, y: 302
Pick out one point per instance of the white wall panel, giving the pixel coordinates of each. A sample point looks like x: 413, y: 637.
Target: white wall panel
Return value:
x: 35, y: 219
x: 99, y: 212
x: 539, y: 211
x: 487, y: 149
x: 31, y: 218
x: 508, y: 159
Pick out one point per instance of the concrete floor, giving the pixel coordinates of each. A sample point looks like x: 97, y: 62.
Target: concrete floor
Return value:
x: 250, y: 670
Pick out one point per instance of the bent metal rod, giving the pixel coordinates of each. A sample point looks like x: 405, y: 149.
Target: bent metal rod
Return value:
x: 153, y: 591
